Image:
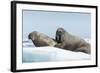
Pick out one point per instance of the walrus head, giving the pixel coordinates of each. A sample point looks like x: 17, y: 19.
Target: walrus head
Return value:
x: 32, y: 35
x: 59, y: 33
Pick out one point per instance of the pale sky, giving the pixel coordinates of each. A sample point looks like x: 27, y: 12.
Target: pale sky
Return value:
x: 47, y: 22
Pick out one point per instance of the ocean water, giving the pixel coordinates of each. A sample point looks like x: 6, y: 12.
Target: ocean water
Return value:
x: 48, y: 54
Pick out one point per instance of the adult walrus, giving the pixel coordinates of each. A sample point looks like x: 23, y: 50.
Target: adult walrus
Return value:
x: 40, y: 39
x: 70, y: 42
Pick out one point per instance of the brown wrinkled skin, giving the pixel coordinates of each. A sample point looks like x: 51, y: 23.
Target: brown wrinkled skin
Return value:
x: 40, y: 39
x: 70, y: 42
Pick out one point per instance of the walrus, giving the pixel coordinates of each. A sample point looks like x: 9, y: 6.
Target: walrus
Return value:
x: 70, y: 42
x: 40, y: 39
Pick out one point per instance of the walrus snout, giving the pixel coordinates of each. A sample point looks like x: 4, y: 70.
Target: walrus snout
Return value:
x: 59, y: 32
x: 29, y: 36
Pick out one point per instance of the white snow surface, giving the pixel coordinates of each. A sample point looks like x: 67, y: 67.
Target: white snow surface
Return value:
x: 41, y: 54
x: 47, y: 53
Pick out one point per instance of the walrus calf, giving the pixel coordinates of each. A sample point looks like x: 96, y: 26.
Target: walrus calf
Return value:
x: 40, y: 39
x: 69, y: 42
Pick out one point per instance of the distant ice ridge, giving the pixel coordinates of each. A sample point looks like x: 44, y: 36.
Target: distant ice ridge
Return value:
x: 28, y: 43
x: 47, y: 54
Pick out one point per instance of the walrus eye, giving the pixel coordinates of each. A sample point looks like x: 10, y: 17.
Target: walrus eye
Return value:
x: 59, y: 31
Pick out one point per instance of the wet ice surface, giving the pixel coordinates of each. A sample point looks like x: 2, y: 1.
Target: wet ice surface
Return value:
x: 47, y: 54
